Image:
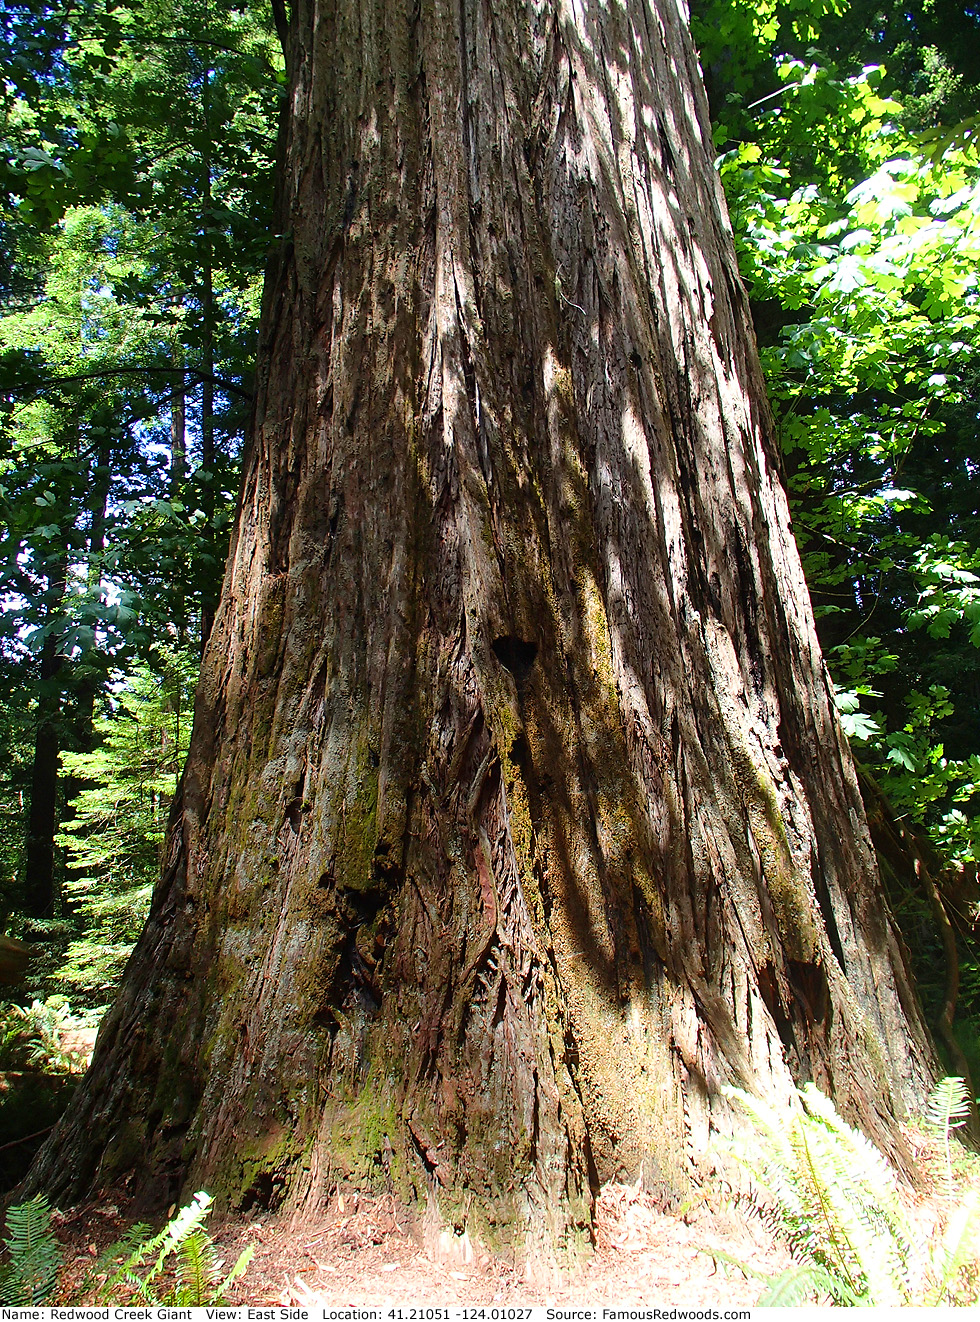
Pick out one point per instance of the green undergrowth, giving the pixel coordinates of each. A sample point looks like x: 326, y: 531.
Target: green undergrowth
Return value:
x: 39, y: 1069
x: 176, y: 1266
x: 852, y: 1232
x: 34, y: 1037
x: 30, y: 1274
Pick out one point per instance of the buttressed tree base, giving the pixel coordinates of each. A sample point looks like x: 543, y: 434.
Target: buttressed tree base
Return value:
x: 517, y: 819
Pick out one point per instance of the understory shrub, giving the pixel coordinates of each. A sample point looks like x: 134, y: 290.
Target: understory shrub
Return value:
x: 832, y: 1197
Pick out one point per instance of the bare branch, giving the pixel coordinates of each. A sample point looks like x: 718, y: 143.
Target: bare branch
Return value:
x: 222, y: 382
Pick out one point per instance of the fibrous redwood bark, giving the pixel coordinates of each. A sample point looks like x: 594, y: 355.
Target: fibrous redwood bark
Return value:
x: 517, y: 819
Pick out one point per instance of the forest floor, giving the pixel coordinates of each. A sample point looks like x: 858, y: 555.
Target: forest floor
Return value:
x: 360, y: 1254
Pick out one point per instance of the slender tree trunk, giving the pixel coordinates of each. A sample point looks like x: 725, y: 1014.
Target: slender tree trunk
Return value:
x: 517, y: 819
x: 178, y: 482
x: 178, y: 440
x: 39, y: 884
x: 209, y: 590
x: 39, y: 869
x: 209, y: 597
x: 86, y: 689
x: 78, y: 703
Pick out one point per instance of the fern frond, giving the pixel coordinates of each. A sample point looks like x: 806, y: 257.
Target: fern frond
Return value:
x: 750, y: 1273
x: 197, y: 1267
x: 35, y: 1256
x: 197, y: 1271
x: 960, y: 1247
x: 772, y: 1123
x: 187, y: 1220
x: 244, y: 1258
x: 837, y: 1203
x: 826, y: 1243
x: 807, y: 1283
x: 855, y: 1157
x: 860, y: 1205
x: 130, y: 1242
x: 138, y: 1249
x: 948, y: 1106
x: 162, y: 1244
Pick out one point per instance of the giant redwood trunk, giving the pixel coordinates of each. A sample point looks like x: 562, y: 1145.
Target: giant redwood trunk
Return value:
x: 517, y: 820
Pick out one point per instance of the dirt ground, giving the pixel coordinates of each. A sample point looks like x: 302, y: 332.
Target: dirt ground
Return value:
x: 363, y: 1253
x: 360, y: 1254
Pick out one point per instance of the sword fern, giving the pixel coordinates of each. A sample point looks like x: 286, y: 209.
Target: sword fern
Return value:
x: 837, y: 1203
